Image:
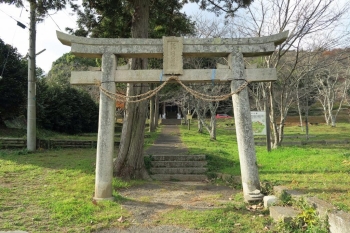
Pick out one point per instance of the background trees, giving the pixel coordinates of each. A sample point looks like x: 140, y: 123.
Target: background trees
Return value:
x: 38, y: 10
x: 13, y: 85
x: 332, y: 83
x: 137, y: 19
x: 65, y: 109
x: 305, y: 20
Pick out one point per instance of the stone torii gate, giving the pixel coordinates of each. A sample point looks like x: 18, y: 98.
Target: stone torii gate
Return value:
x: 172, y: 49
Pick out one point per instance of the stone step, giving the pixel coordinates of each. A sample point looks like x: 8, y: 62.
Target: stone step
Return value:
x: 179, y: 177
x: 178, y: 157
x: 174, y: 164
x: 179, y: 170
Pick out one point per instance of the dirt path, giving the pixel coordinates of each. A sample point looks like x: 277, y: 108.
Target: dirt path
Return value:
x: 148, y: 201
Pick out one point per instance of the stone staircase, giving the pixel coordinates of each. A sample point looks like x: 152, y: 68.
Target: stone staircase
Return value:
x: 178, y: 167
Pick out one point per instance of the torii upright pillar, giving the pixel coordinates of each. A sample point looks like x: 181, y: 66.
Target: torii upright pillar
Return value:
x: 105, y: 137
x: 244, y: 130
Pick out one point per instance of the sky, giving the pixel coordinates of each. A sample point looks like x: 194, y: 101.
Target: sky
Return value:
x: 46, y: 38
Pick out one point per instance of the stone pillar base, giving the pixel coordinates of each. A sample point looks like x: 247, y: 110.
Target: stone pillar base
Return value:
x: 103, y: 198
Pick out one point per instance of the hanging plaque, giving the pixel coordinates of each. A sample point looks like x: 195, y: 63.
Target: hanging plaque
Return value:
x: 172, y: 55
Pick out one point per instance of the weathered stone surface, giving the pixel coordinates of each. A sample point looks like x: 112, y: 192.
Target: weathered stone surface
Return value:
x: 189, y: 75
x: 172, y: 55
x: 269, y: 201
x: 67, y: 39
x: 281, y: 213
x: 278, y: 190
x: 321, y: 206
x: 179, y: 177
x: 244, y: 131
x: 179, y: 170
x: 339, y: 222
x: 178, y: 164
x: 105, y: 137
x: 178, y: 157
x: 217, y: 47
x: 295, y: 194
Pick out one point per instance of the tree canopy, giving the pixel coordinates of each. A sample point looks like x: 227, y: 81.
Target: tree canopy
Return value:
x: 107, y: 19
x: 13, y: 85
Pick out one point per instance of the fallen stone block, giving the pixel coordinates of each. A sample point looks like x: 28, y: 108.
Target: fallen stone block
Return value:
x: 339, y: 222
x: 295, y: 194
x: 283, y: 213
x: 278, y: 190
x: 322, y: 207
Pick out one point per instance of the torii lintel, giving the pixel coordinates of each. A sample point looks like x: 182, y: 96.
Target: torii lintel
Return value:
x: 153, y: 48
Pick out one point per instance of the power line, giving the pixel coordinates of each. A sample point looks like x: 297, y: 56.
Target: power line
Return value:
x: 55, y: 23
x: 18, y: 22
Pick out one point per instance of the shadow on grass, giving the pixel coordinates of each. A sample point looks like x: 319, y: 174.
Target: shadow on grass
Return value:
x: 219, y: 163
x: 296, y: 172
x: 325, y: 190
x: 61, y: 159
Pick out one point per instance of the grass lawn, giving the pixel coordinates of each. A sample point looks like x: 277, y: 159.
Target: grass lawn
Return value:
x: 51, y: 191
x: 321, y: 170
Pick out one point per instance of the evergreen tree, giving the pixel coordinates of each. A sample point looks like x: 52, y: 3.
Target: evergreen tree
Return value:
x: 137, y: 19
x: 13, y: 85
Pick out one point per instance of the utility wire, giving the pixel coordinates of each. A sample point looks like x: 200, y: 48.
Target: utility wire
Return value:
x: 55, y: 22
x: 18, y: 22
x: 53, y: 19
x: 14, y: 34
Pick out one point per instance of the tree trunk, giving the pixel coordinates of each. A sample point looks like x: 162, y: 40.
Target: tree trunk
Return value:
x: 273, y: 117
x: 200, y: 126
x: 130, y: 161
x: 213, y: 127
x: 299, y: 111
x: 281, y: 131
x: 307, y: 123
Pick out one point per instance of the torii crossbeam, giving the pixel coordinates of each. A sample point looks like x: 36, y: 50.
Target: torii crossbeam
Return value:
x: 172, y: 50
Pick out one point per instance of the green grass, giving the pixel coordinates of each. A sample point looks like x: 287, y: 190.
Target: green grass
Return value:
x: 231, y: 218
x: 321, y: 170
x: 52, y: 191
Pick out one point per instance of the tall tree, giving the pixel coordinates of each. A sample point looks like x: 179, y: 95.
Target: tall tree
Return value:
x: 38, y: 10
x: 132, y: 19
x: 306, y: 21
x: 332, y: 83
x: 100, y: 19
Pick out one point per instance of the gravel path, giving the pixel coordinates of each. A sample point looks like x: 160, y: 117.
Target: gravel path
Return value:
x: 150, y: 200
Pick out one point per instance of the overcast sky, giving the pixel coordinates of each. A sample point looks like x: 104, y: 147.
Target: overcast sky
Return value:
x: 14, y: 35
x: 46, y: 38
